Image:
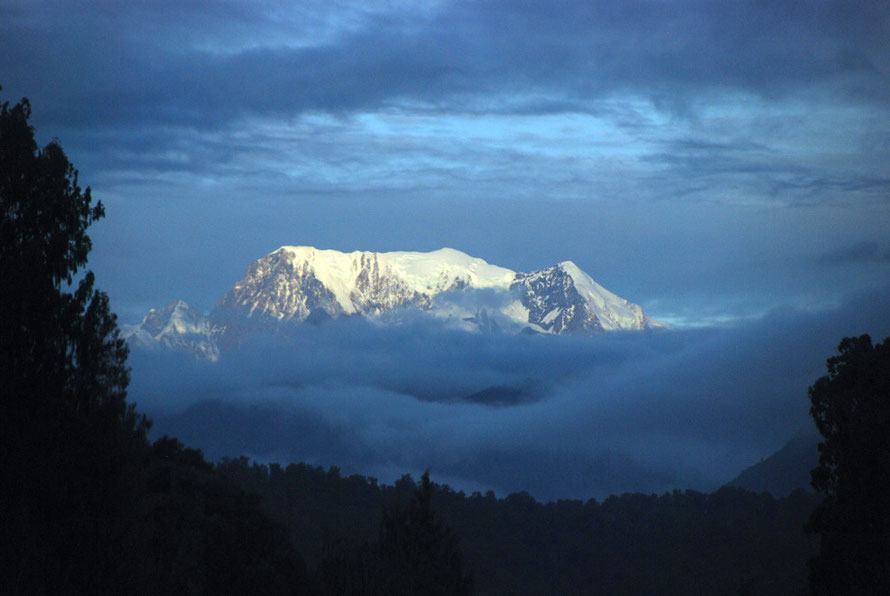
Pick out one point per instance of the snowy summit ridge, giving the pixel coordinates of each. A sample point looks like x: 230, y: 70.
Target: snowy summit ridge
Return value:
x: 295, y: 284
x: 295, y: 281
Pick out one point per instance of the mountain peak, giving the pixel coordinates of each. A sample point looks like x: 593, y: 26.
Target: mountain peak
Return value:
x: 295, y: 281
x: 176, y: 326
x: 295, y: 284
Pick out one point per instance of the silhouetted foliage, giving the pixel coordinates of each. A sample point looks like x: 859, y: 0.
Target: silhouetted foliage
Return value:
x: 68, y: 436
x: 415, y: 553
x: 87, y: 506
x: 851, y: 408
x: 677, y: 543
x: 202, y: 534
x: 419, y: 551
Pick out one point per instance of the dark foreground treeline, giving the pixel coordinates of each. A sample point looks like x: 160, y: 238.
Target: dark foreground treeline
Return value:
x: 121, y: 516
x: 162, y: 520
x: 728, y: 542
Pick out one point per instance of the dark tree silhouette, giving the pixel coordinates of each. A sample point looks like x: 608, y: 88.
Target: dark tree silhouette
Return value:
x: 67, y: 432
x: 851, y: 408
x: 56, y: 344
x: 203, y: 535
x: 87, y: 506
x: 416, y: 553
x: 420, y: 551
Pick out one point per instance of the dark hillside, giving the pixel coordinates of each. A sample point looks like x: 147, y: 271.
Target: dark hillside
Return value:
x: 677, y: 543
x: 786, y: 470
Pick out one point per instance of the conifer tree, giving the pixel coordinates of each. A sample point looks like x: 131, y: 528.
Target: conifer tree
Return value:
x: 66, y: 431
x: 851, y: 407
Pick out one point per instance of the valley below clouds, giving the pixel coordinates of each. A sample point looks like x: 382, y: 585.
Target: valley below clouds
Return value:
x: 557, y: 416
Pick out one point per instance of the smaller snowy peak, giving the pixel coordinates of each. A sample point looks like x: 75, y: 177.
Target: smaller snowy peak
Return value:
x: 176, y: 326
x: 177, y: 317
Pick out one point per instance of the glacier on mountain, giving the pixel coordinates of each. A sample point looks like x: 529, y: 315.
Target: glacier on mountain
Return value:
x: 298, y: 284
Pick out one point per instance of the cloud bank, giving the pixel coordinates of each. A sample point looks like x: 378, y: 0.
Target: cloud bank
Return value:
x: 556, y: 416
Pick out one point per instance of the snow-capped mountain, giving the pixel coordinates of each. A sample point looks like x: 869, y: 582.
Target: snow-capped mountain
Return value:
x: 177, y: 327
x: 297, y: 284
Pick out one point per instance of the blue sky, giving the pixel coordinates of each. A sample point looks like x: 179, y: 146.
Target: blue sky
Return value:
x: 720, y: 163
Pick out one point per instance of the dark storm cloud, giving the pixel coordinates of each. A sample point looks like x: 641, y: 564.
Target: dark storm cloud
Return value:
x: 645, y: 412
x: 107, y: 64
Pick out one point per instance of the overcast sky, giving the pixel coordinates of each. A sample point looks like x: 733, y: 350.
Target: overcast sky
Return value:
x: 715, y: 162
x: 708, y: 160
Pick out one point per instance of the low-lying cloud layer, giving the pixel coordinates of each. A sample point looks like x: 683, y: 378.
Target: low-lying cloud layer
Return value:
x: 556, y: 416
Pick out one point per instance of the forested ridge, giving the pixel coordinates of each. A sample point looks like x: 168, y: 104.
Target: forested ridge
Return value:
x: 728, y: 542
x: 91, y: 506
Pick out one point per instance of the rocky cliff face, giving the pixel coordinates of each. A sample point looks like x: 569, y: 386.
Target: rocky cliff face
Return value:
x: 563, y: 299
x: 553, y: 302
